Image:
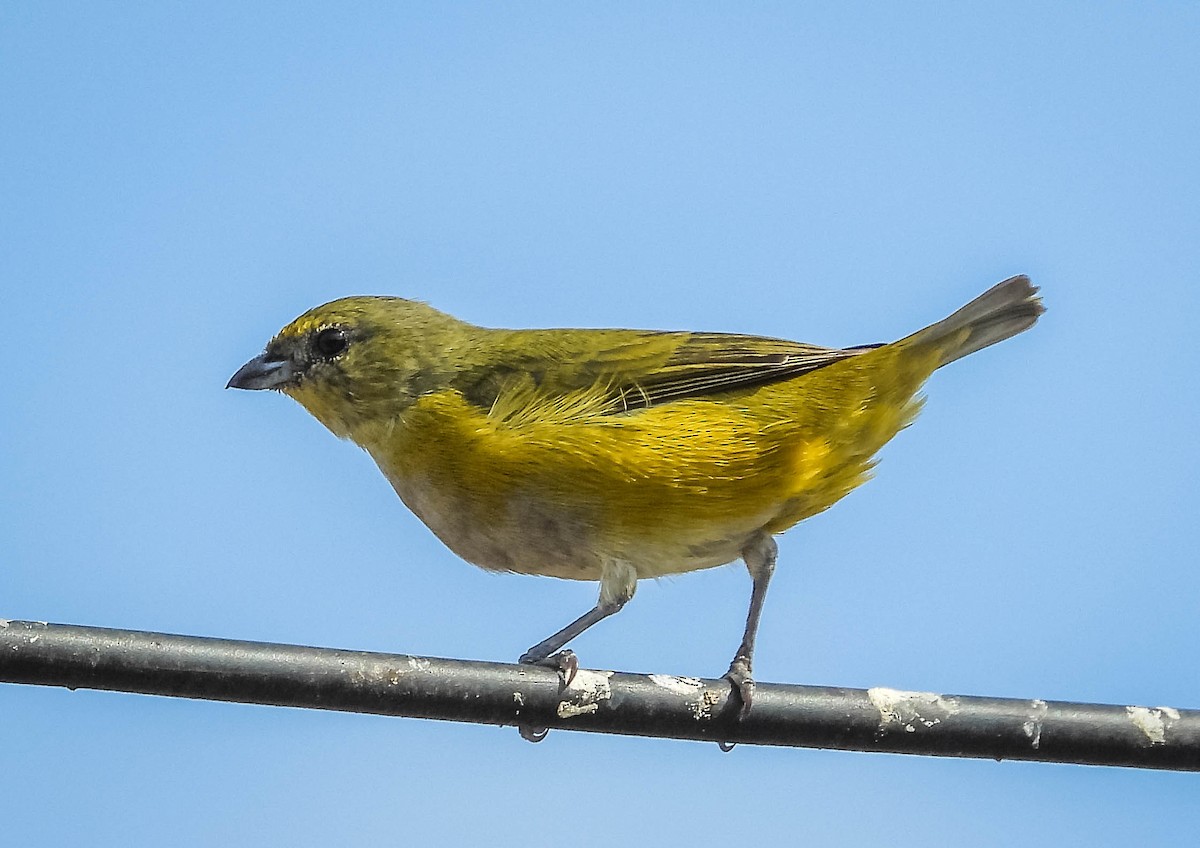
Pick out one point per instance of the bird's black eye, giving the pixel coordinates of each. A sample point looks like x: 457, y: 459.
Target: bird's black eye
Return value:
x: 330, y: 342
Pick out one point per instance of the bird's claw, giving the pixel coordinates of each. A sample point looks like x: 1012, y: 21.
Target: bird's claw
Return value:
x: 743, y: 683
x: 532, y: 734
x: 567, y: 666
x: 564, y: 662
x: 743, y: 686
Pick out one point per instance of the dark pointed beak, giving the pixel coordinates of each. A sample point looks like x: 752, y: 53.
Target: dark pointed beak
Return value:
x: 262, y: 372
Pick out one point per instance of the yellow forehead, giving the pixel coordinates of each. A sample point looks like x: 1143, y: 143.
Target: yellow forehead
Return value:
x: 305, y: 324
x: 347, y: 310
x: 363, y: 311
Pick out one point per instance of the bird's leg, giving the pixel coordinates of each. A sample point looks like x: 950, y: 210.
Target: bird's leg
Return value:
x: 759, y: 557
x: 618, y: 582
x: 543, y: 653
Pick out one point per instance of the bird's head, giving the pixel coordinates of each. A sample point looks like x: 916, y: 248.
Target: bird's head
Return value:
x: 358, y: 361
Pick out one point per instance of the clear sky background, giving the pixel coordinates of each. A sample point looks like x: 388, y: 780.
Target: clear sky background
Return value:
x: 179, y: 180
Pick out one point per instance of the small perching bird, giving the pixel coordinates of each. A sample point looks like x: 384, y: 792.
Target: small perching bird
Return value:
x: 613, y: 455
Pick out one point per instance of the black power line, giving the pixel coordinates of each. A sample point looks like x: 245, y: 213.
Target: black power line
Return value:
x: 605, y: 702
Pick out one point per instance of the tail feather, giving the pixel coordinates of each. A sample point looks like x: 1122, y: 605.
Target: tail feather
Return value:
x: 999, y: 313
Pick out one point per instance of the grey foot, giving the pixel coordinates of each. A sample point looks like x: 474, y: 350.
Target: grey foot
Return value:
x: 567, y: 665
x: 743, y: 683
x: 564, y: 662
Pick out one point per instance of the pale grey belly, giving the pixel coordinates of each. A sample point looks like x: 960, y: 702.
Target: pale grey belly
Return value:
x: 532, y: 536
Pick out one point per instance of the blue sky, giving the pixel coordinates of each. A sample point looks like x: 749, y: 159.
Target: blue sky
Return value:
x: 179, y: 180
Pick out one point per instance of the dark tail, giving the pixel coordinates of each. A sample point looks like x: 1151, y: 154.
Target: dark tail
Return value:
x: 999, y: 313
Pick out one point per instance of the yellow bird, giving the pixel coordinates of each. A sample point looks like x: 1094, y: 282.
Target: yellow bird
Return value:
x: 613, y: 455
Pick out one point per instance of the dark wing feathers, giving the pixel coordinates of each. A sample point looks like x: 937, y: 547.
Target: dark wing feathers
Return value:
x: 640, y: 368
x: 708, y: 363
